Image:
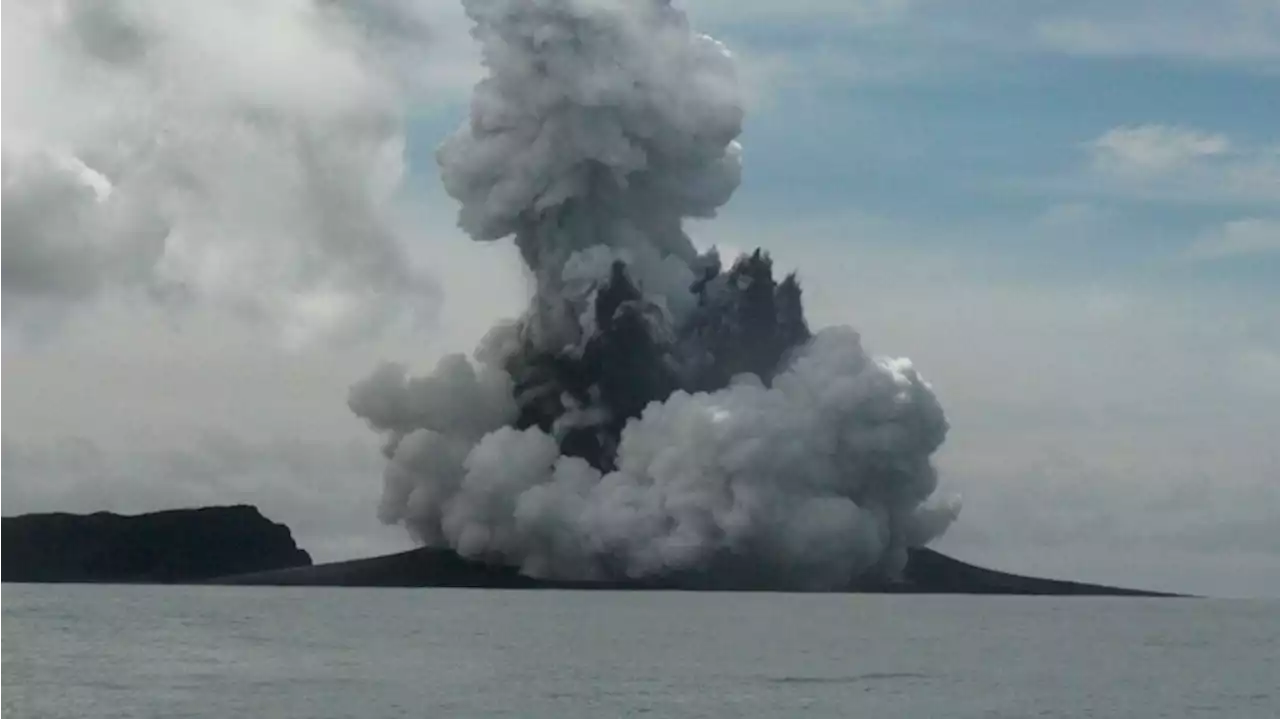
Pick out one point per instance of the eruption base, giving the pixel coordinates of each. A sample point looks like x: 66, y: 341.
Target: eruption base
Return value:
x: 927, y: 572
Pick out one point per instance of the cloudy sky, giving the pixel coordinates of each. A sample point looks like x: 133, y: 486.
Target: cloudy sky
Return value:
x: 219, y: 216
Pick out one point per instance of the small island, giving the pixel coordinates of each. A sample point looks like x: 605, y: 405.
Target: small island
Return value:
x: 174, y: 546
x: 237, y: 545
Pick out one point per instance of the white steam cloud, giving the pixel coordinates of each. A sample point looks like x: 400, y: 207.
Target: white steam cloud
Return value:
x: 650, y: 415
x: 239, y: 154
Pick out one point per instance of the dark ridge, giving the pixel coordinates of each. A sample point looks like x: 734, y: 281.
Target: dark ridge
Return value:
x: 181, y: 545
x: 928, y: 572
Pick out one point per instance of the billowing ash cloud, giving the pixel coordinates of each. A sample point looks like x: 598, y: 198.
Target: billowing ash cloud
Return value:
x: 242, y: 155
x: 652, y: 413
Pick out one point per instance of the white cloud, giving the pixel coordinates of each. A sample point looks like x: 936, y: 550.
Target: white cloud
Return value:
x: 1181, y: 164
x: 162, y: 381
x: 1153, y: 149
x: 1244, y: 237
x: 244, y: 155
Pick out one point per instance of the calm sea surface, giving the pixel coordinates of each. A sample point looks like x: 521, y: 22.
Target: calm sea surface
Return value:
x: 86, y: 651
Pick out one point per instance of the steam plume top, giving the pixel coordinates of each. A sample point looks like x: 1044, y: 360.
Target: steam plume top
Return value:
x: 601, y: 118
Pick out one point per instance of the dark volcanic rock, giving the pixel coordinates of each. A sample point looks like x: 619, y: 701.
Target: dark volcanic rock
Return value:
x: 928, y: 572
x: 182, y: 545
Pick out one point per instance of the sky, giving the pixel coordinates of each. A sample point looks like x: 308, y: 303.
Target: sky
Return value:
x: 216, y: 219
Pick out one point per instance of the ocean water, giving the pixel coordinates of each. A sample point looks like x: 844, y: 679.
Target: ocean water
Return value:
x: 115, y: 651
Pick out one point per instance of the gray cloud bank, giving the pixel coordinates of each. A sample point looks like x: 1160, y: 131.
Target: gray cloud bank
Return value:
x: 240, y: 155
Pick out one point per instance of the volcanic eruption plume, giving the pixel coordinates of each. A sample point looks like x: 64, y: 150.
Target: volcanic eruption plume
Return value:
x: 653, y: 413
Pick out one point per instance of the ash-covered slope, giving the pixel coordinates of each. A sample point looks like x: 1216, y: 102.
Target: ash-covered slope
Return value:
x: 931, y: 572
x: 181, y: 545
x: 927, y: 572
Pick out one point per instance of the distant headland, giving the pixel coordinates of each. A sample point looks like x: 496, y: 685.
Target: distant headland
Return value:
x: 237, y: 545
x: 173, y: 546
